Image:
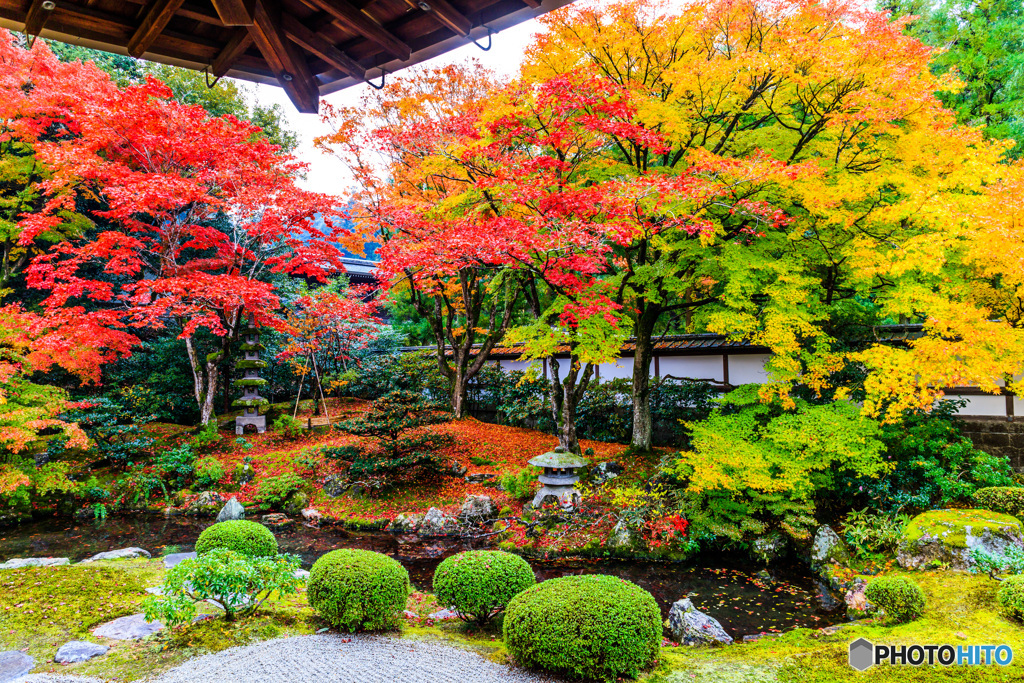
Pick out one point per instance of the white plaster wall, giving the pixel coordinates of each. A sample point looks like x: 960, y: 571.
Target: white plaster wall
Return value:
x: 748, y: 369
x: 510, y: 365
x: 694, y: 367
x: 621, y: 368
x: 982, y: 405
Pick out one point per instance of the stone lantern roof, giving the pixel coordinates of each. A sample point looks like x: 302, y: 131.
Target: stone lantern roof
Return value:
x: 560, y: 459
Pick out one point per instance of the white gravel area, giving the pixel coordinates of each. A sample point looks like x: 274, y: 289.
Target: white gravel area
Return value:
x: 334, y: 658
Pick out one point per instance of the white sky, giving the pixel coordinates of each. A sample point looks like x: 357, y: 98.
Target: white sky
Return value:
x: 328, y: 175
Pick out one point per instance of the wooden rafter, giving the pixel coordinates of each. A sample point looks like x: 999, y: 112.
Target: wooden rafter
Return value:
x: 38, y: 12
x: 321, y: 47
x: 235, y: 12
x: 535, y: 4
x: 360, y: 22
x: 445, y: 14
x: 287, y: 63
x: 153, y: 23
x: 236, y: 47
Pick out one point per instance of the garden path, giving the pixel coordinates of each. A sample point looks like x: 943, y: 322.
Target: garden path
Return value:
x: 335, y: 657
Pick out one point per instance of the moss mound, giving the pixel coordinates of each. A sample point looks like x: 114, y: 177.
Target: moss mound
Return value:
x: 358, y: 590
x: 952, y: 526
x: 1010, y: 596
x: 480, y: 583
x: 244, y: 537
x: 586, y: 626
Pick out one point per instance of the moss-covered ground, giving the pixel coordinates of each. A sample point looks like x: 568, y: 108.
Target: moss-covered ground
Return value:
x: 42, y: 608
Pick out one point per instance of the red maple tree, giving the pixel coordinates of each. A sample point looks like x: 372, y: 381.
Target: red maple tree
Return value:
x: 194, y: 214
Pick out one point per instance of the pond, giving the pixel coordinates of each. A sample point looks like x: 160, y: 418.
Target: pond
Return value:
x: 743, y: 599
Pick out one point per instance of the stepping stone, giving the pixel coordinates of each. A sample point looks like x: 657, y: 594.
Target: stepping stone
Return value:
x: 443, y: 614
x: 301, y: 574
x: 23, y: 562
x: 122, y: 554
x: 155, y: 590
x: 79, y: 651
x: 14, y: 664
x: 131, y: 627
x: 175, y: 558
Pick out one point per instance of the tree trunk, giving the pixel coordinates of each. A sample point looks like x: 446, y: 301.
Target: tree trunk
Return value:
x: 564, y: 396
x: 204, y: 380
x: 642, y: 423
x: 460, y: 393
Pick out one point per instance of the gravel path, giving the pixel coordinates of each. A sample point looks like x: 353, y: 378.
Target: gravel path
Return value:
x: 329, y: 658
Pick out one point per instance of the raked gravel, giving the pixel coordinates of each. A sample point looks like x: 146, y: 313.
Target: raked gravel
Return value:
x: 334, y: 658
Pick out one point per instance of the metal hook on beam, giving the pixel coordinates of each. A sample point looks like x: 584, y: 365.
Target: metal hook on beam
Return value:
x: 383, y: 79
x: 209, y: 85
x: 490, y: 42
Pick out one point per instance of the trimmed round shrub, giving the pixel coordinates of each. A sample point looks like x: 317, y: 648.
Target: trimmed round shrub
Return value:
x: 1006, y: 499
x: 358, y: 590
x: 480, y: 583
x: 1010, y: 596
x: 590, y: 626
x: 900, y: 598
x: 244, y: 537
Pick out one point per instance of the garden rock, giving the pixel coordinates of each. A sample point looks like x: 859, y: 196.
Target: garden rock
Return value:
x: 769, y: 547
x: 79, y: 651
x: 276, y: 520
x: 22, y: 562
x: 828, y: 548
x: 621, y: 536
x: 948, y: 537
x: 122, y: 554
x: 296, y: 503
x: 458, y: 470
x: 690, y: 626
x: 207, y: 503
x: 244, y: 473
x: 231, y: 511
x: 443, y: 615
x: 436, y: 523
x: 478, y: 508
x: 334, y: 486
x: 605, y: 471
x: 312, y: 515
x: 406, y: 522
x: 175, y: 558
x: 131, y: 627
x: 857, y: 605
x: 14, y: 664
x: 479, y: 477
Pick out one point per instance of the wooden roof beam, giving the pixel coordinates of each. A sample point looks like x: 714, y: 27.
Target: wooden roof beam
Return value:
x: 300, y: 34
x: 235, y: 12
x: 443, y: 12
x: 287, y: 63
x: 362, y: 23
x: 153, y: 24
x: 236, y: 46
x: 535, y: 4
x: 38, y: 12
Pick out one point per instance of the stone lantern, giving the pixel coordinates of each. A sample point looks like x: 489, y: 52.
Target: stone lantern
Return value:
x: 251, y: 402
x: 559, y: 478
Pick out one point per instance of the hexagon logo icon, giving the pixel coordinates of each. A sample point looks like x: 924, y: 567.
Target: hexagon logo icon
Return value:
x: 862, y: 654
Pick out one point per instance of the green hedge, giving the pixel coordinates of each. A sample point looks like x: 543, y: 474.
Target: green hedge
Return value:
x: 900, y: 598
x: 358, y: 590
x: 480, y: 583
x: 242, y: 536
x: 1006, y: 499
x: 1010, y: 596
x: 590, y: 626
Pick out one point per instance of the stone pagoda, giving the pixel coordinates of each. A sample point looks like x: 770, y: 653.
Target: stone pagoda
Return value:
x: 559, y: 478
x: 251, y: 402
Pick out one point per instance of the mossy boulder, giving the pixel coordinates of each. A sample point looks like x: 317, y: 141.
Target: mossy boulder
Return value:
x: 947, y: 537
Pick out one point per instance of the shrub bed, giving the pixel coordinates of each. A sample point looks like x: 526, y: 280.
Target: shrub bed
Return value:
x: 480, y: 583
x: 241, y: 536
x: 358, y: 590
x: 590, y: 626
x: 1005, y: 499
x: 900, y: 598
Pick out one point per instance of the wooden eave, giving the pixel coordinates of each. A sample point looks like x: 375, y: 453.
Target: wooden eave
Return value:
x: 309, y: 47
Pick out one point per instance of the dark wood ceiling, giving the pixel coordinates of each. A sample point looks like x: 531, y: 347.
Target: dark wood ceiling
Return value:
x: 308, y: 47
